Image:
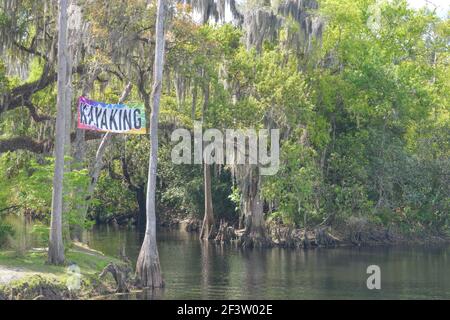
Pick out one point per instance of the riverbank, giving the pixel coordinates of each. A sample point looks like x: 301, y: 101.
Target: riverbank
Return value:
x: 356, y: 232
x: 28, y: 277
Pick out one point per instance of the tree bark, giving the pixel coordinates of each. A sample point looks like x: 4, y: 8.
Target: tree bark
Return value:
x: 68, y: 95
x: 148, y: 270
x: 194, y: 102
x: 252, y: 206
x: 207, y: 231
x: 56, y: 246
x: 140, y: 198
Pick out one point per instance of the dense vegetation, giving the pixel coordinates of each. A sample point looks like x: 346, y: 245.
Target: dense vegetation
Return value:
x: 361, y: 97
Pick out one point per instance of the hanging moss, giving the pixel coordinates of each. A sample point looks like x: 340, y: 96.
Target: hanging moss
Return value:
x: 218, y: 11
x: 264, y: 23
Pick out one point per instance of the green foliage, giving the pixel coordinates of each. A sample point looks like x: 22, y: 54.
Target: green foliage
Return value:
x: 295, y: 190
x: 41, y: 233
x: 27, y: 185
x: 3, y: 78
x: 181, y: 187
x: 6, y: 231
x: 364, y: 118
x: 111, y: 198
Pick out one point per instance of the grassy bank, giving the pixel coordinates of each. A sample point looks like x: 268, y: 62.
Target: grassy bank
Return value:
x: 33, y: 278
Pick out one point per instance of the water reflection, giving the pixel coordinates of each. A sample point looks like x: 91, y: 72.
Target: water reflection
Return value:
x: 194, y: 269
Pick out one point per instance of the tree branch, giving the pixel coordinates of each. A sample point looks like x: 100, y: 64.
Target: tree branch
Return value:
x: 34, y: 114
x: 24, y: 143
x: 126, y: 175
x: 32, y: 145
x: 30, y: 50
x: 18, y: 96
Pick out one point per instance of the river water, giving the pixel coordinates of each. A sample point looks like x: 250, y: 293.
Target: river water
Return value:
x: 198, y: 270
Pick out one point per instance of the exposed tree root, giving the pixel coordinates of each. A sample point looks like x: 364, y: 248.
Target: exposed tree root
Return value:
x: 225, y: 233
x: 120, y: 274
x: 255, y: 239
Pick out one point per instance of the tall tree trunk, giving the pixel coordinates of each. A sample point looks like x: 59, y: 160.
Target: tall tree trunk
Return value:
x: 68, y: 95
x: 140, y: 198
x: 194, y: 102
x: 56, y: 246
x: 148, y: 270
x: 207, y: 231
x: 252, y: 206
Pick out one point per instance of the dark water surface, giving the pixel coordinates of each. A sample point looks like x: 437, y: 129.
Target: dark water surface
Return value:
x: 198, y: 270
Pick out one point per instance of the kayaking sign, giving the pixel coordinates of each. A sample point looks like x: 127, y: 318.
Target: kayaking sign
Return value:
x: 117, y: 118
